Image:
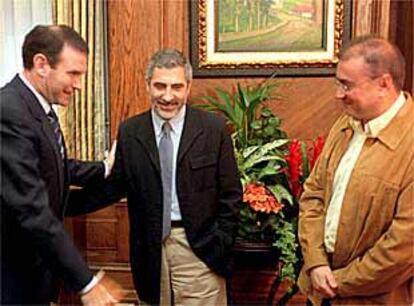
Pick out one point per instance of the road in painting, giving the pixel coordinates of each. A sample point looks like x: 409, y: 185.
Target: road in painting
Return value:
x: 270, y: 25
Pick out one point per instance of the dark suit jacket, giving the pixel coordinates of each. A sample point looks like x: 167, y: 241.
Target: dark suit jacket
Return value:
x: 35, y: 249
x: 208, y: 188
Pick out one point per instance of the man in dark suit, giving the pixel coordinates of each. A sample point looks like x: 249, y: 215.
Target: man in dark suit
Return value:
x: 36, y: 252
x: 176, y: 165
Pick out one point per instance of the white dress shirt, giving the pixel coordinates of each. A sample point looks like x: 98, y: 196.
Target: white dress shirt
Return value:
x: 177, y: 125
x: 43, y: 102
x: 347, y: 163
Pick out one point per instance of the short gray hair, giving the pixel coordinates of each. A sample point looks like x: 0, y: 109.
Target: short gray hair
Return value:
x: 168, y: 58
x: 380, y: 55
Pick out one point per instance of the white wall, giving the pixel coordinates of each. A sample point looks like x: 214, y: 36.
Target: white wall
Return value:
x: 17, y: 17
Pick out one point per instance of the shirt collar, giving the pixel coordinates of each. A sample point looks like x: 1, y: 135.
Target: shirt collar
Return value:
x: 43, y: 102
x: 176, y: 122
x: 375, y: 126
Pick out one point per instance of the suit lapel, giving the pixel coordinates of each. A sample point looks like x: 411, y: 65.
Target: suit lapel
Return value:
x: 192, y: 129
x: 39, y: 114
x: 146, y: 136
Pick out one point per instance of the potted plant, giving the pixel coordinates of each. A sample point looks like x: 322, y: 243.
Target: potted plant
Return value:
x: 272, y: 170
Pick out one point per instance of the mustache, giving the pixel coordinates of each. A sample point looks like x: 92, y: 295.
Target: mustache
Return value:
x: 163, y: 102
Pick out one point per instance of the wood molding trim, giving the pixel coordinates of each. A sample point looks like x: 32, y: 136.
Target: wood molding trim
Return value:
x: 401, y: 32
x: 371, y: 17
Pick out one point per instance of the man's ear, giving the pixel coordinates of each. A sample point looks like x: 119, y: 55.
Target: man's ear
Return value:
x: 189, y: 83
x: 41, y: 64
x: 386, y: 85
x: 386, y: 81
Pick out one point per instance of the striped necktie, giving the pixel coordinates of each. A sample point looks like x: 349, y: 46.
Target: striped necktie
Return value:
x: 54, y: 122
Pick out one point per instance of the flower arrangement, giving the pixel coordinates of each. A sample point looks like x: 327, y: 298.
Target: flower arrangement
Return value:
x: 272, y: 170
x: 301, y: 161
x: 261, y: 199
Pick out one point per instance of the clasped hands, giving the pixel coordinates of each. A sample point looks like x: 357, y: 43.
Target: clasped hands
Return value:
x: 105, y: 292
x: 323, y: 281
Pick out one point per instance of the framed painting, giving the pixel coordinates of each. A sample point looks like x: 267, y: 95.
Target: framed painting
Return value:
x: 262, y: 37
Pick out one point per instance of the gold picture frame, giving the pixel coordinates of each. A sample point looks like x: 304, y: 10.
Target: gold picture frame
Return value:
x: 295, y: 37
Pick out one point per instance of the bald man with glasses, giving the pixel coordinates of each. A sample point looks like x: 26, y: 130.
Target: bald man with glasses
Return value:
x: 356, y: 222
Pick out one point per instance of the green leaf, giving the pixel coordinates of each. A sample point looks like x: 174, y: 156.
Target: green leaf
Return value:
x: 266, y: 112
x: 268, y: 171
x: 224, y: 95
x: 269, y: 147
x: 242, y: 97
x: 263, y: 153
x: 257, y: 124
x: 249, y: 150
x: 269, y: 130
x: 238, y: 116
x: 258, y: 159
x: 274, y: 121
x: 281, y: 193
x: 274, y: 144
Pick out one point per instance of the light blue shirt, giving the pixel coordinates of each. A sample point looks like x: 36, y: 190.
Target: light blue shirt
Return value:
x: 177, y: 125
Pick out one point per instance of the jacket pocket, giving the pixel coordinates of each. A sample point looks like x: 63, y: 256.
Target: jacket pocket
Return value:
x: 203, y: 161
x: 203, y: 171
x: 375, y: 212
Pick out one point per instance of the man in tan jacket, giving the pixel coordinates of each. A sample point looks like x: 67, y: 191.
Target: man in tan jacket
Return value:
x: 356, y: 224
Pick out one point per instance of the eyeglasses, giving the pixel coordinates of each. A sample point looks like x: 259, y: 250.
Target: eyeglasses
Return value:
x: 350, y: 86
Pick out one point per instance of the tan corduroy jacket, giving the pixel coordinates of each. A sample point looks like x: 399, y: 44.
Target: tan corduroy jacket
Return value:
x: 373, y: 260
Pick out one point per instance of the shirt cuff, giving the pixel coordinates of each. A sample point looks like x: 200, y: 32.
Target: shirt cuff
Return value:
x: 107, y: 170
x: 89, y: 286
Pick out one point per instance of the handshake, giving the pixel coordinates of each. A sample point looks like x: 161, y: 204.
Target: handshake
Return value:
x: 106, y: 292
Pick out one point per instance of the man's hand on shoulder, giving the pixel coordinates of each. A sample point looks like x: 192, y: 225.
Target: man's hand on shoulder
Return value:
x: 323, y: 281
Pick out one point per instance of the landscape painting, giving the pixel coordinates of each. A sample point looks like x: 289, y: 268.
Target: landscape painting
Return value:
x: 263, y: 37
x: 270, y: 25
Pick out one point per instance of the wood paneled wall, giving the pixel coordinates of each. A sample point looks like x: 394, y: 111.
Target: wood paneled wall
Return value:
x: 401, y: 32
x: 137, y: 28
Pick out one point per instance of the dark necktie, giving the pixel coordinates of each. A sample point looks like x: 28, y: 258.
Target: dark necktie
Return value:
x: 166, y: 162
x: 54, y: 122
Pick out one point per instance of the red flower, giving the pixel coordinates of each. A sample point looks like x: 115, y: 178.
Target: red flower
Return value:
x: 317, y: 149
x: 294, y: 160
x: 261, y: 199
